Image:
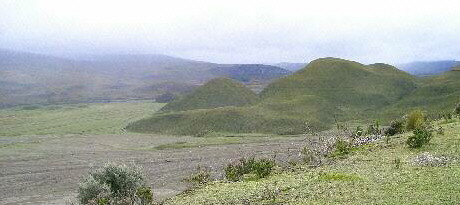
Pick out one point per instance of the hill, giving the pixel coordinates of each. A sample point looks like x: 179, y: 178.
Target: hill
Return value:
x: 344, y: 82
x: 326, y: 90
x: 434, y: 94
x: 426, y: 68
x: 218, y: 92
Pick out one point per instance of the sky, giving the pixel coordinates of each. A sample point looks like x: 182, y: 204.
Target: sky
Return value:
x: 237, y: 31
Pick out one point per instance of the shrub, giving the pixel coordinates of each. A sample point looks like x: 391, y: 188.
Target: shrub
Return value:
x: 359, y: 131
x: 201, y: 176
x: 457, y: 109
x: 446, y: 116
x: 415, y: 119
x: 373, y: 129
x: 308, y: 156
x: 263, y: 167
x: 396, y: 127
x: 260, y: 168
x: 420, y: 137
x: 342, y: 148
x: 114, y: 184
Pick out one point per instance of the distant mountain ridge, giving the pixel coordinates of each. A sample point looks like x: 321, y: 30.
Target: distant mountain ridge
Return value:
x: 248, y: 72
x: 426, y: 68
x: 29, y: 78
x: 291, y: 66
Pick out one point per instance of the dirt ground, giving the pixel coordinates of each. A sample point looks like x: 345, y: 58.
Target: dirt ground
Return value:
x: 47, y: 169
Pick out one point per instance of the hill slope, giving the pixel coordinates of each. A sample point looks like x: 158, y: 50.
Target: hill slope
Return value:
x: 218, y: 92
x: 370, y: 174
x: 324, y: 91
x: 434, y: 94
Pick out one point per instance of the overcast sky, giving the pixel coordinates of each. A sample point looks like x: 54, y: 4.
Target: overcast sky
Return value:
x: 234, y: 31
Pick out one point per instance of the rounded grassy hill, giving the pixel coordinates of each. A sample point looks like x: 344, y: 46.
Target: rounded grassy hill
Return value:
x: 219, y: 92
x: 326, y: 90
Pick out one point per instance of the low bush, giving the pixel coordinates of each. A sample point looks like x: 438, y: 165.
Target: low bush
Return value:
x: 420, y: 137
x: 396, y: 127
x: 374, y: 129
x: 115, y: 184
x: 446, y: 116
x: 260, y: 168
x: 416, y: 119
x: 457, y: 109
x: 359, y: 131
x: 201, y: 176
x: 341, y: 148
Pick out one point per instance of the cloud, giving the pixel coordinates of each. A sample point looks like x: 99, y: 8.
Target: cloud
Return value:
x: 237, y: 31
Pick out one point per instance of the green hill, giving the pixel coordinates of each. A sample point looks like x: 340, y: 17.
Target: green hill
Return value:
x: 344, y: 82
x: 326, y: 90
x: 434, y: 94
x: 219, y: 92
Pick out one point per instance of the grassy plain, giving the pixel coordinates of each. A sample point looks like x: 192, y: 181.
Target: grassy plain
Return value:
x: 83, y: 118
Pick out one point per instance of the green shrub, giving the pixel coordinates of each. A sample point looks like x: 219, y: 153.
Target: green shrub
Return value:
x: 396, y: 127
x: 373, y: 129
x: 308, y: 156
x: 359, y: 131
x: 114, y: 184
x: 420, y: 137
x: 341, y: 148
x: 457, y: 109
x: 260, y: 168
x: 201, y: 176
x: 446, y: 116
x: 415, y: 119
x: 263, y: 167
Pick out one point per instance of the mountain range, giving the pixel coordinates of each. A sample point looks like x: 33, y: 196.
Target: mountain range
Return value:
x: 427, y: 68
x: 28, y: 78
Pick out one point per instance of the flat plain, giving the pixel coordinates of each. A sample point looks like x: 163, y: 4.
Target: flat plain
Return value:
x: 46, y: 150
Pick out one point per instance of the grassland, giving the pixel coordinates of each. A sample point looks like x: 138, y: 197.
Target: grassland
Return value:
x: 83, y: 118
x: 369, y: 175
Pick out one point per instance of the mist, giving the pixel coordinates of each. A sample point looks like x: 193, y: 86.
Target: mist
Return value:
x: 236, y: 31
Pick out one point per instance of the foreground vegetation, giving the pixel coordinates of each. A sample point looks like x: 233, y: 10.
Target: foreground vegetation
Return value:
x: 383, y: 172
x: 83, y: 118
